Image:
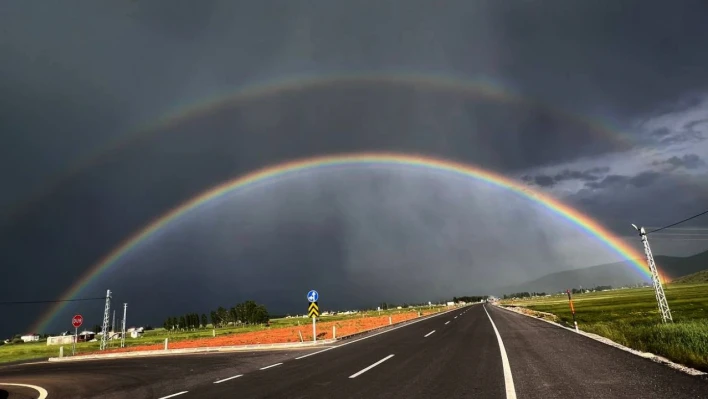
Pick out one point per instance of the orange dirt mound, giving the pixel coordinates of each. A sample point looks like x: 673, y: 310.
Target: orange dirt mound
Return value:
x: 282, y: 334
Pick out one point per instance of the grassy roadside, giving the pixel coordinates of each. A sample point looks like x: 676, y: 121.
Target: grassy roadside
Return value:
x: 630, y: 317
x: 40, y: 350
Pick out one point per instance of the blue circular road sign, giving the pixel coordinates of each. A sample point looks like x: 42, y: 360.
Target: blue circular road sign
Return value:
x: 313, y: 296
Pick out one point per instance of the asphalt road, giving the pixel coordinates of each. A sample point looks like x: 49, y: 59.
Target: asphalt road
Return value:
x: 453, y: 355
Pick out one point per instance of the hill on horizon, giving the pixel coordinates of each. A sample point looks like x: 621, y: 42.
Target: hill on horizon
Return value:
x: 694, y: 278
x: 615, y: 274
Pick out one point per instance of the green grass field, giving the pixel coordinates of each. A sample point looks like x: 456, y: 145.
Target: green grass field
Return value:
x: 631, y: 317
x: 39, y: 350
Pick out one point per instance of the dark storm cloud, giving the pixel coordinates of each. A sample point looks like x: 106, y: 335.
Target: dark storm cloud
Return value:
x: 183, y: 19
x: 692, y: 132
x: 75, y: 77
x: 693, y: 124
x: 682, y: 136
x: 589, y: 175
x: 661, y: 133
x: 640, y: 180
x: 688, y: 161
x: 594, y: 49
x: 665, y: 201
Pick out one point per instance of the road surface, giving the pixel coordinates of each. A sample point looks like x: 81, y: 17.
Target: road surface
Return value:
x: 452, y: 355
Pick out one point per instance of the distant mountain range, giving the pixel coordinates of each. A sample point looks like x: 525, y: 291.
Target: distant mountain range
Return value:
x: 694, y: 278
x: 614, y: 274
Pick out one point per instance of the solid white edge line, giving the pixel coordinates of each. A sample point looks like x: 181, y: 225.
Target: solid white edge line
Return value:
x: 428, y: 334
x: 508, y: 378
x: 173, y: 395
x: 226, y: 379
x: 447, y: 322
x: 609, y: 342
x: 272, y: 365
x: 42, y: 392
x: 370, y: 367
x: 314, y: 353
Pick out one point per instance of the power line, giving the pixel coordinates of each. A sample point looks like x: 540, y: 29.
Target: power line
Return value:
x: 677, y: 223
x: 52, y: 301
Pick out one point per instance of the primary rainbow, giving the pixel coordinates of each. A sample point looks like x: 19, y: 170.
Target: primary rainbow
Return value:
x: 584, y: 222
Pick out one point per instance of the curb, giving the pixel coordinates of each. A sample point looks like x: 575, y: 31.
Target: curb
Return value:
x: 646, y: 355
x: 234, y: 348
x: 208, y: 349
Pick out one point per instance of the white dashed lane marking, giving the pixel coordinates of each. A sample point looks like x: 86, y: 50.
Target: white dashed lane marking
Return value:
x: 272, y: 365
x: 226, y: 379
x: 370, y: 367
x: 173, y: 395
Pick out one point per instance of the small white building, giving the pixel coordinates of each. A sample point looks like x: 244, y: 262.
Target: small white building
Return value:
x: 30, y: 338
x: 86, y: 336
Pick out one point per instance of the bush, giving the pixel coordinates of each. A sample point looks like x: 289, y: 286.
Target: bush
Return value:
x: 17, y: 341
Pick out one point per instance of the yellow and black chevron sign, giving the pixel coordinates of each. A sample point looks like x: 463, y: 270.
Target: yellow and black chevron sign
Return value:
x: 313, y: 310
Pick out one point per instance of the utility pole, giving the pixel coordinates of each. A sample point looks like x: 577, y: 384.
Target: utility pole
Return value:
x: 122, y: 335
x: 106, y: 315
x: 658, y: 288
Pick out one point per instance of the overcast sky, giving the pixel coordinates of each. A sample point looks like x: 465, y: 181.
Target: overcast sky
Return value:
x: 614, y: 122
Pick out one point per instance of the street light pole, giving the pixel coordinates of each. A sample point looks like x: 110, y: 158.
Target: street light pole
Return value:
x: 658, y: 288
x: 122, y: 335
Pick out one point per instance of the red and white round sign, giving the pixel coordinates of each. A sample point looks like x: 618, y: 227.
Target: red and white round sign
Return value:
x: 77, y: 320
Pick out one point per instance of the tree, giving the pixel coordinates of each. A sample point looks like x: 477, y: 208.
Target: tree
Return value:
x: 204, y: 320
x: 214, y: 318
x: 261, y: 316
x: 182, y: 322
x: 223, y: 316
x: 97, y: 328
x: 233, y: 315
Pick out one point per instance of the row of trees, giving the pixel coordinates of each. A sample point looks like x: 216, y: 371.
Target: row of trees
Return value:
x: 187, y: 321
x: 598, y: 288
x: 572, y: 291
x: 248, y: 312
x: 524, y: 295
x: 468, y: 299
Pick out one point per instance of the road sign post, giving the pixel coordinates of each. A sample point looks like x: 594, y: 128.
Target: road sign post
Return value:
x: 76, y: 321
x: 572, y: 310
x: 313, y: 311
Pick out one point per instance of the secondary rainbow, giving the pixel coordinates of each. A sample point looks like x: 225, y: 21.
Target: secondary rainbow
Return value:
x: 584, y: 222
x: 479, y: 87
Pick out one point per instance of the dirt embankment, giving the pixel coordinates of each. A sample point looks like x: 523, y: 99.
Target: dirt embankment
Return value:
x: 283, y: 334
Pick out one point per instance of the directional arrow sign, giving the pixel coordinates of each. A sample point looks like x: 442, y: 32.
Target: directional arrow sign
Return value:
x: 313, y: 296
x: 313, y: 310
